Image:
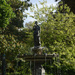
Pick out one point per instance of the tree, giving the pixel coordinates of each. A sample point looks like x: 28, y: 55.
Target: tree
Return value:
x: 10, y: 44
x: 58, y: 35
x: 6, y: 13
x: 19, y: 7
x: 70, y: 3
x: 16, y: 23
x: 12, y: 48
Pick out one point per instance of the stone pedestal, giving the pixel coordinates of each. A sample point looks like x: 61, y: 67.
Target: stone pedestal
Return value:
x: 37, y: 50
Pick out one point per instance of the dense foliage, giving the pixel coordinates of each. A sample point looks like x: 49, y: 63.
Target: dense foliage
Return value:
x: 19, y: 7
x: 13, y: 40
x: 6, y: 13
x: 57, y: 34
x: 70, y: 3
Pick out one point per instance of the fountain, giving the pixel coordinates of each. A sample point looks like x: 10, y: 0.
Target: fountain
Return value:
x: 38, y: 58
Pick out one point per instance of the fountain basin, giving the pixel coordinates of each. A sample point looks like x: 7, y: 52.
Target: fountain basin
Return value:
x: 38, y: 57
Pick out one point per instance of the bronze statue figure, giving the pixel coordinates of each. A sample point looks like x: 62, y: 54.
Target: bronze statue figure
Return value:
x: 36, y: 34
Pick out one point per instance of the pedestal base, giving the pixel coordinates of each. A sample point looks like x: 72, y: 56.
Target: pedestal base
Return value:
x: 37, y: 50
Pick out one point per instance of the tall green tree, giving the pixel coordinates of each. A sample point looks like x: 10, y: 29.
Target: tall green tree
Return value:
x: 12, y: 45
x: 19, y: 7
x: 6, y: 13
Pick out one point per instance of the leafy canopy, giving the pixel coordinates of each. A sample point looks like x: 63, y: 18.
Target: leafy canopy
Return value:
x: 6, y: 13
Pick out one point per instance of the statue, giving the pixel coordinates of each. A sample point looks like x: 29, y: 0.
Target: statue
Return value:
x: 36, y: 34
